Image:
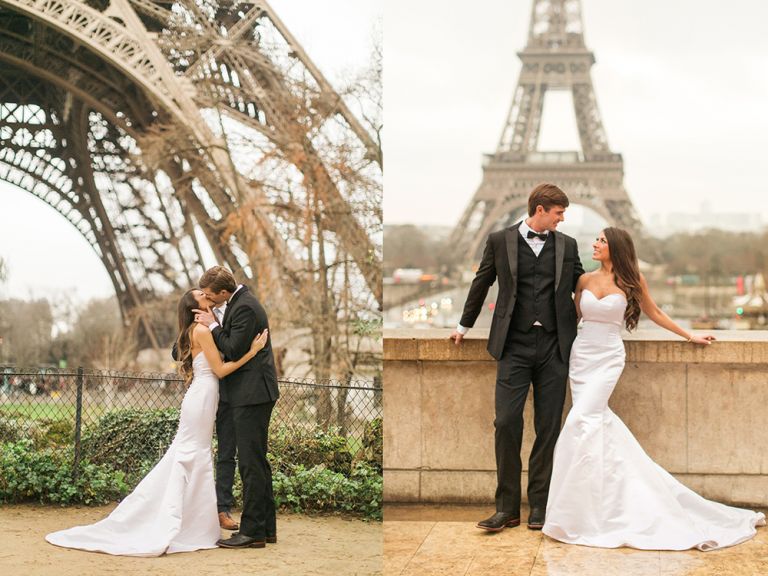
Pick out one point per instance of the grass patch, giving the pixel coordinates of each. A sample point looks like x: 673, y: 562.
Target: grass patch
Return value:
x: 41, y: 411
x: 53, y: 411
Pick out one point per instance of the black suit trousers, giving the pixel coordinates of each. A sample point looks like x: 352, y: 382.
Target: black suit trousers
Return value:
x: 251, y: 425
x: 529, y: 358
x: 225, y: 457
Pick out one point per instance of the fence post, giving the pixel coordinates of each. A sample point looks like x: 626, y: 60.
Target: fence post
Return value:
x: 78, y: 422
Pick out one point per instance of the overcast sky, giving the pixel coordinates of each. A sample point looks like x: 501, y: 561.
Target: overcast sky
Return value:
x: 682, y: 87
x: 45, y: 254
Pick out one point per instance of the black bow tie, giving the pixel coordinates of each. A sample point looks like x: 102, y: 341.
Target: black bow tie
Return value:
x: 541, y: 236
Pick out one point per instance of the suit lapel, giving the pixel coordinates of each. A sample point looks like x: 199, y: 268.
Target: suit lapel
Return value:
x: 559, y: 256
x: 232, y: 303
x: 511, y: 240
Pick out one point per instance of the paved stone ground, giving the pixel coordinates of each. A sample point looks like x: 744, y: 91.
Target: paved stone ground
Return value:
x: 423, y: 541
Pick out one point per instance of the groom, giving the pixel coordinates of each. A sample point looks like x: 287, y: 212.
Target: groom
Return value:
x: 246, y: 399
x: 533, y: 328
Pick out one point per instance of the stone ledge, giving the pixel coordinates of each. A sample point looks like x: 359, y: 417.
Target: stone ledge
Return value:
x: 732, y: 346
x: 699, y: 412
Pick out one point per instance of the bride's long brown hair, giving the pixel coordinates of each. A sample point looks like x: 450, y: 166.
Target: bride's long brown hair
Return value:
x: 183, y: 341
x: 626, y: 272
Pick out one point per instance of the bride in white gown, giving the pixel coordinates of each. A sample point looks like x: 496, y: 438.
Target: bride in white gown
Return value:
x: 605, y: 490
x: 173, y: 509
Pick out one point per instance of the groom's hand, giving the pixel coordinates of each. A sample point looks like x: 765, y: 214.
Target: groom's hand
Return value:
x: 457, y: 337
x: 204, y: 317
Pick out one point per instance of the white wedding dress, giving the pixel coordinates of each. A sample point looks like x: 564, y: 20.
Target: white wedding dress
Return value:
x: 605, y: 490
x: 173, y: 509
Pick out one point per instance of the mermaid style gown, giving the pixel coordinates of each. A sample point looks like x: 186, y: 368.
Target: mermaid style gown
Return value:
x: 173, y: 509
x: 605, y: 490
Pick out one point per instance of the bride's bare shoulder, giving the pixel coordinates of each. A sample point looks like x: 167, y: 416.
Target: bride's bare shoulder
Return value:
x: 584, y: 280
x: 199, y: 333
x: 199, y: 329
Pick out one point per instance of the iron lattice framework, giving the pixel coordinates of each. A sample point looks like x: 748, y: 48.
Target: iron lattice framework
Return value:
x: 120, y: 114
x: 555, y: 58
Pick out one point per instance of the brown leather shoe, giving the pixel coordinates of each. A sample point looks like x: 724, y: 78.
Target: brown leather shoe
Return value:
x: 226, y: 521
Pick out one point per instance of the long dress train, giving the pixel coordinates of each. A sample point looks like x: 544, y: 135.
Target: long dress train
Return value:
x: 605, y: 490
x: 173, y: 509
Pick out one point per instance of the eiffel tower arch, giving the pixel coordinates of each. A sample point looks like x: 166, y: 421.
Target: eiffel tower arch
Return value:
x: 113, y: 112
x: 555, y: 58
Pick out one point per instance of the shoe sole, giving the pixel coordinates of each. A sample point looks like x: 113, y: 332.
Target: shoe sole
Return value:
x: 510, y: 524
x: 535, y: 526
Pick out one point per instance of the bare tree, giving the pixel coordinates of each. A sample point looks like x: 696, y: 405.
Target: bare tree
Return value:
x: 26, y: 327
x: 96, y: 337
x: 324, y: 192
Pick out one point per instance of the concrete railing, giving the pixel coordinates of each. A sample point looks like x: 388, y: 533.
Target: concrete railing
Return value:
x: 699, y: 412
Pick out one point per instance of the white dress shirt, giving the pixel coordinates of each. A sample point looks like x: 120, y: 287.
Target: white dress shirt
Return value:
x: 536, y: 245
x: 221, y: 308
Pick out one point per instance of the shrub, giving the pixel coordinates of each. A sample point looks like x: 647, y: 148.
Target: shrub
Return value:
x: 318, y: 489
x: 130, y: 441
x: 289, y: 447
x: 373, y: 444
x: 57, y: 432
x: 28, y: 473
x: 314, y: 470
x: 44, y: 433
x: 10, y: 430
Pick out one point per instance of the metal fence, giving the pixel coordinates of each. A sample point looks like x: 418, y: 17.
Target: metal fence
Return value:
x: 84, y: 396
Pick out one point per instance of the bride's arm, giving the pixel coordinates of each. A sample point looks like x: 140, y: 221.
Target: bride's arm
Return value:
x: 652, y: 310
x: 577, y: 295
x: 204, y: 337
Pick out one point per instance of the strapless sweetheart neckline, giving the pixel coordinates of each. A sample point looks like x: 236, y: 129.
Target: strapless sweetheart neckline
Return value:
x: 606, y: 296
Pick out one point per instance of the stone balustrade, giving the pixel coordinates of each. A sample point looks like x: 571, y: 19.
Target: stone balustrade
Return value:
x: 700, y: 412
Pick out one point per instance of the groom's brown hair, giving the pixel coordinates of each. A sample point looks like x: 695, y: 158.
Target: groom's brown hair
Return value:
x: 546, y: 195
x: 217, y: 279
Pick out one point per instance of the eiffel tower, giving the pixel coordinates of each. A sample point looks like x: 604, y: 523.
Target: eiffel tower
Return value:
x: 555, y: 58
x: 119, y: 114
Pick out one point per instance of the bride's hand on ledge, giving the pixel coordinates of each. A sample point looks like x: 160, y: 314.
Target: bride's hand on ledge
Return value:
x: 704, y: 340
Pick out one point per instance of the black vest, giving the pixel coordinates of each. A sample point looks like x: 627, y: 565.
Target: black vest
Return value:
x: 535, y: 286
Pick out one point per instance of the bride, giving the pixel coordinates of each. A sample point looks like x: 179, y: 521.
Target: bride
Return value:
x: 605, y: 490
x: 173, y: 509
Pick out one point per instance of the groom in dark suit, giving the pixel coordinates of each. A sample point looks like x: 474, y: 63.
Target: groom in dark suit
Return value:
x: 533, y: 328
x: 246, y: 399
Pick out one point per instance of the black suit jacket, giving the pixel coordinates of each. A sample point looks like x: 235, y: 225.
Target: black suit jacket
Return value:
x: 256, y: 381
x: 500, y: 261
